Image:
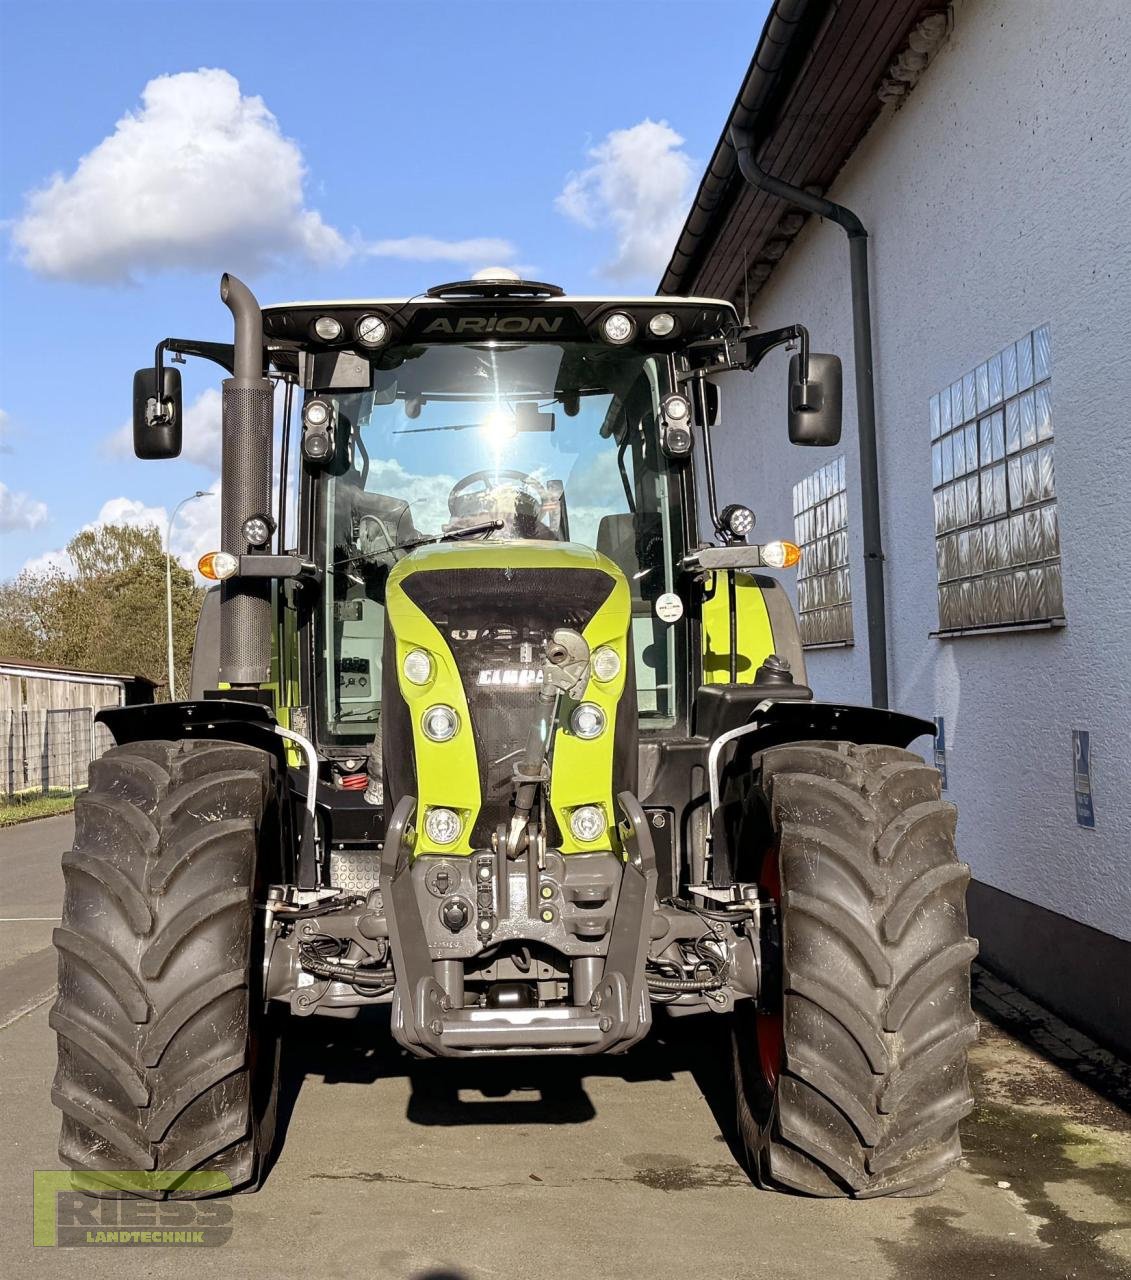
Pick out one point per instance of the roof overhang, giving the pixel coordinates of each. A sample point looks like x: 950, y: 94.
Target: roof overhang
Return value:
x: 814, y: 88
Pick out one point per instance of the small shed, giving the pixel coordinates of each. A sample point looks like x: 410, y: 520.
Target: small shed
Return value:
x: 48, y: 736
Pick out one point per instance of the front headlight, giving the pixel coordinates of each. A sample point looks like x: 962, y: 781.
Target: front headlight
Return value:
x: 588, y: 720
x: 606, y: 663
x: 442, y: 826
x: 440, y: 723
x: 587, y: 822
x: 417, y: 667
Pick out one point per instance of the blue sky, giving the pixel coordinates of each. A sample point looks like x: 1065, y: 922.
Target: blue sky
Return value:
x: 395, y: 145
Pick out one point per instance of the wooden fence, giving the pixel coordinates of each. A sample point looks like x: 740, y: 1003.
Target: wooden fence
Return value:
x: 48, y: 736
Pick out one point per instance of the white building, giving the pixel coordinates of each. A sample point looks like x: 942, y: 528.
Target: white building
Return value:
x: 986, y: 148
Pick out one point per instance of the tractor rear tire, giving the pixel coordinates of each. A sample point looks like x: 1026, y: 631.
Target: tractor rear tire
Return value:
x: 167, y: 1060
x: 851, y: 1073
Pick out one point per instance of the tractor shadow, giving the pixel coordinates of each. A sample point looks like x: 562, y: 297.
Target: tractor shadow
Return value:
x: 530, y: 1090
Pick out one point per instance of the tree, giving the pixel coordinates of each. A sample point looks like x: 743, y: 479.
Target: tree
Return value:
x: 109, y: 613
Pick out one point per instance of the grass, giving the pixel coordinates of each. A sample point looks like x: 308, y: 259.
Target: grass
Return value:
x: 34, y: 804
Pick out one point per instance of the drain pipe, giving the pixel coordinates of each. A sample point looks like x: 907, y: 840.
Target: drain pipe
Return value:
x: 742, y: 141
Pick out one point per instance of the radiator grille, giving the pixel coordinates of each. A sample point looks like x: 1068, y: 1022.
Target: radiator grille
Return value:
x: 495, y: 622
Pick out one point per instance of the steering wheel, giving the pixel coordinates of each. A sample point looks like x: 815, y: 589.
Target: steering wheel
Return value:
x: 471, y: 495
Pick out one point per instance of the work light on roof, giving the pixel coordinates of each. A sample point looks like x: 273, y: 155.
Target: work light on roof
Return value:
x: 328, y: 328
x: 372, y: 331
x: 661, y: 324
x: 618, y: 328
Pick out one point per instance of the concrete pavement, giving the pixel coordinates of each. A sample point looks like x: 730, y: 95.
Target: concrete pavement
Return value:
x: 559, y: 1168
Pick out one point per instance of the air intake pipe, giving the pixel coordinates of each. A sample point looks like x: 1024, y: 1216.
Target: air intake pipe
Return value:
x: 245, y: 604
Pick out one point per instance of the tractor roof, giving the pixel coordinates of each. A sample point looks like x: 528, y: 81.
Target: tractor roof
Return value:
x: 499, y: 308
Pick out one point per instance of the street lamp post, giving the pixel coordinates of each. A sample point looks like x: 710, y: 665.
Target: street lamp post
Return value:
x: 200, y: 493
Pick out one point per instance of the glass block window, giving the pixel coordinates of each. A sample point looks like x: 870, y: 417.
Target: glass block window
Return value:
x: 820, y: 522
x: 997, y: 542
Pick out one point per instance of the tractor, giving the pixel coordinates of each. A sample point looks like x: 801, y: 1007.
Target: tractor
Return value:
x: 483, y: 729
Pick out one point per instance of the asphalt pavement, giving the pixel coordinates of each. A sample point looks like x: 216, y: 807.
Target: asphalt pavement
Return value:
x: 619, y: 1168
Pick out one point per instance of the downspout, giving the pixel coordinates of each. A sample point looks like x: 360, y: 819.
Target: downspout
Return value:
x: 742, y: 141
x: 245, y: 603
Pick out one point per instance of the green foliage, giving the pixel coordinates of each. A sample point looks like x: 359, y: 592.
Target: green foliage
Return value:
x: 109, y: 614
x: 34, y: 804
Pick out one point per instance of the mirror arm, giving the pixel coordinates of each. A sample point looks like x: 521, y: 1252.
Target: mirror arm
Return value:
x: 699, y: 390
x: 157, y: 412
x: 756, y: 346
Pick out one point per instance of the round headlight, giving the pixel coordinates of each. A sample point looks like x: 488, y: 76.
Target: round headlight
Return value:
x: 256, y: 530
x: 328, y: 328
x: 372, y: 331
x: 618, y: 327
x: 737, y: 520
x: 588, y: 720
x: 587, y: 823
x: 677, y: 409
x: 606, y: 663
x: 315, y: 445
x: 661, y: 324
x: 315, y: 413
x: 442, y: 826
x: 417, y: 667
x: 439, y: 723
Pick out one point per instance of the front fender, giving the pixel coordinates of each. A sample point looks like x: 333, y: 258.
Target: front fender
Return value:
x: 793, y: 721
x: 227, y: 719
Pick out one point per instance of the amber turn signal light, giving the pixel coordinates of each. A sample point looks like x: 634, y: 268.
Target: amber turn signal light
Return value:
x: 781, y: 555
x: 217, y: 565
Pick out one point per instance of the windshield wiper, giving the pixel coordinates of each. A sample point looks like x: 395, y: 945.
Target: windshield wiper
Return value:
x: 472, y: 531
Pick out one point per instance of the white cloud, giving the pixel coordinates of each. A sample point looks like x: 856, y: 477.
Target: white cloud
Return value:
x: 482, y: 251
x: 20, y: 510
x: 6, y: 431
x: 200, y: 177
x: 639, y: 185
x: 427, y: 494
x: 48, y: 561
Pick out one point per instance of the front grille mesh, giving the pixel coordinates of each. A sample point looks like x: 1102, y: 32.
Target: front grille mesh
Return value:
x: 495, y: 621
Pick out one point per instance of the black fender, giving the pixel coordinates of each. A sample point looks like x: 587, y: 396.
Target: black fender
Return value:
x: 791, y: 721
x: 774, y: 724
x: 228, y: 719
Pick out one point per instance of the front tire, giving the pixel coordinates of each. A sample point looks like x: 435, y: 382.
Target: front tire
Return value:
x: 850, y: 1076
x: 167, y: 1061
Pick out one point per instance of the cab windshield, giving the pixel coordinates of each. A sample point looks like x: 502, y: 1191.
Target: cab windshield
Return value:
x: 551, y: 442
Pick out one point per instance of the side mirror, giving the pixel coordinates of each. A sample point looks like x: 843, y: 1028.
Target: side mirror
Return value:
x: 157, y: 418
x: 815, y: 405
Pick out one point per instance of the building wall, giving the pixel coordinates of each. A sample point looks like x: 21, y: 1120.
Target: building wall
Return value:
x: 997, y: 200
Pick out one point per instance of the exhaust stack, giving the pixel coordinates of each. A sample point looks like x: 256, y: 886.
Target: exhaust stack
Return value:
x: 245, y: 604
